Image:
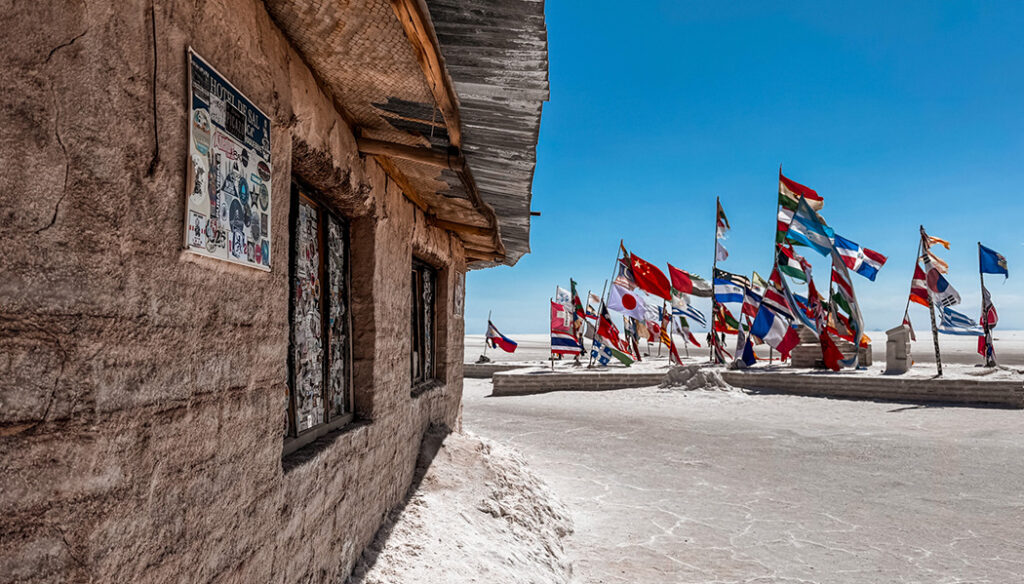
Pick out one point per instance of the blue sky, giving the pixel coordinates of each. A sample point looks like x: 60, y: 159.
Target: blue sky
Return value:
x: 897, y: 113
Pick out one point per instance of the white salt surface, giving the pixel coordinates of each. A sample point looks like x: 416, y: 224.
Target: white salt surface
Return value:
x: 669, y: 486
x: 479, y: 515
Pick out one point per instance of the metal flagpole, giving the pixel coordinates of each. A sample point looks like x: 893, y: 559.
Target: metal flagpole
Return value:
x: 488, y: 330
x: 990, y: 360
x: 931, y: 312
x: 605, y: 290
x: 714, y: 266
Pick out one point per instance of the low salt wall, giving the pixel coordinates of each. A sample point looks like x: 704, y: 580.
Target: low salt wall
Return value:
x: 955, y: 391
x: 486, y: 370
x: 542, y: 381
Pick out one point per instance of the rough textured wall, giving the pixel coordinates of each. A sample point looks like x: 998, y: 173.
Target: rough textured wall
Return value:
x: 141, y: 388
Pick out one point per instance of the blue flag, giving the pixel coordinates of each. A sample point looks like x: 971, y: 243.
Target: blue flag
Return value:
x: 991, y: 261
x: 808, y: 228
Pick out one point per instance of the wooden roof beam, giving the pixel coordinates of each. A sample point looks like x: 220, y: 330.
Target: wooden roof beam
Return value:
x: 411, y: 153
x: 415, y: 18
x: 403, y: 182
x: 461, y: 228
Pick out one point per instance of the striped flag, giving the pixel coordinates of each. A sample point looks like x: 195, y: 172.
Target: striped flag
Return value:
x: 919, y: 287
x: 775, y: 330
x: 862, y: 260
x: 563, y: 340
x: 791, y: 264
x: 808, y: 228
x: 957, y: 323
x: 792, y: 190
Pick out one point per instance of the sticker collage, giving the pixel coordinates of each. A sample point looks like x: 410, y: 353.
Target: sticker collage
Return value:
x: 229, y: 188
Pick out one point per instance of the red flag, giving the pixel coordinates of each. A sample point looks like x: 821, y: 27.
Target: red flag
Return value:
x: 680, y: 280
x: 919, y: 287
x: 830, y: 352
x: 649, y: 278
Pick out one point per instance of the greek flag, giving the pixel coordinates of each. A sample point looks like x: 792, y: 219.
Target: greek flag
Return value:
x: 958, y: 323
x: 691, y: 312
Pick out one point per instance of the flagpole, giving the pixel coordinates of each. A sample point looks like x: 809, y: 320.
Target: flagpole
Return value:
x: 605, y: 290
x: 714, y: 266
x: 917, y: 258
x: 488, y: 330
x: 931, y: 312
x: 989, y: 351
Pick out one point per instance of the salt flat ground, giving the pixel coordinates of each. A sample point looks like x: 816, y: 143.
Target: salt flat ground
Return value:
x: 1009, y: 347
x: 670, y: 486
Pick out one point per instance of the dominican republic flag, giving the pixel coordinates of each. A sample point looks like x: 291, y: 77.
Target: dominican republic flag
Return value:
x: 775, y: 330
x: 808, y: 228
x: 496, y: 339
x: 862, y: 260
x: 629, y: 303
x: 792, y: 264
x: 957, y: 323
x: 562, y: 338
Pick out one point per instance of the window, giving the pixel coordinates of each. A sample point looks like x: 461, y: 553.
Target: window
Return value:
x: 424, y: 284
x: 320, y: 348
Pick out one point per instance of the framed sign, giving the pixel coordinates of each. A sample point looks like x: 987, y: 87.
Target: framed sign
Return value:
x: 227, y: 215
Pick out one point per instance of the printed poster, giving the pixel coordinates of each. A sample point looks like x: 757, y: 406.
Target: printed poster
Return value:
x: 228, y: 211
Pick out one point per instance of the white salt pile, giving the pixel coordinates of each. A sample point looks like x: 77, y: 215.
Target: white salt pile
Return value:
x: 694, y: 377
x: 479, y: 515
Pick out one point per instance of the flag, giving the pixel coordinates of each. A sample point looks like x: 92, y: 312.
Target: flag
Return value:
x: 593, y: 306
x: 692, y: 312
x: 726, y: 291
x: 938, y: 263
x: 988, y: 320
x: 791, y: 264
x: 688, y: 283
x: 679, y: 300
x: 649, y: 278
x: 607, y: 330
x: 498, y: 340
x: 830, y: 353
x: 748, y: 353
x: 906, y: 321
x: 941, y: 291
x: 685, y: 328
x: 576, y: 302
x: 724, y: 321
x: 808, y: 228
x: 757, y: 281
x: 775, y: 330
x: 784, y: 218
x: 562, y: 338
x: 721, y: 223
x: 721, y: 254
x: 562, y: 296
x: 991, y: 261
x: 988, y: 310
x: 792, y: 190
x: 624, y: 274
x: 774, y: 297
x: 862, y: 260
x: 957, y: 323
x: 930, y: 241
x: 601, y: 352
x: 741, y: 281
x: 844, y: 291
x: 919, y: 287
x: 751, y: 302
x: 626, y: 302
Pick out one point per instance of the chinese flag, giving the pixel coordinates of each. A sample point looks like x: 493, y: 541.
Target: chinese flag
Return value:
x: 649, y: 278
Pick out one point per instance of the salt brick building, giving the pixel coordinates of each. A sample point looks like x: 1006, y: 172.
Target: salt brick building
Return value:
x: 233, y: 250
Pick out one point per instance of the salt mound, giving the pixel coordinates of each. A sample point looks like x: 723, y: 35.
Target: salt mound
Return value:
x: 693, y: 377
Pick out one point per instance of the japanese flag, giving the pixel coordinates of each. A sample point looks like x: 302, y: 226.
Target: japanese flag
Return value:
x: 627, y: 302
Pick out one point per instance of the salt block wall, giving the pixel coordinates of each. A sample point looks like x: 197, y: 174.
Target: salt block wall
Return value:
x: 142, y: 389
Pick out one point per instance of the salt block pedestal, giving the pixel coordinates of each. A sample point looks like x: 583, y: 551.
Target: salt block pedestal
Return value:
x: 897, y: 350
x: 807, y: 355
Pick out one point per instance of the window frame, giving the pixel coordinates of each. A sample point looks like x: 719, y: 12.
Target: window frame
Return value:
x: 293, y: 438
x: 424, y: 380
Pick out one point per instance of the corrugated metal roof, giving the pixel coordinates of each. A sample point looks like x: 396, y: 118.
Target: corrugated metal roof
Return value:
x: 497, y: 56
